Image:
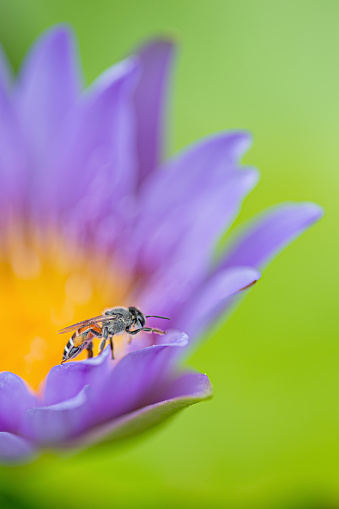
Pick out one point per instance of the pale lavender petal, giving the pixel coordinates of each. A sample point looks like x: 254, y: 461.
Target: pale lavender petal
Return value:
x: 188, y: 204
x: 134, y: 382
x: 50, y: 425
x: 188, y: 383
x: 92, y: 167
x: 137, y: 378
x: 213, y: 299
x: 65, y: 381
x: 15, y: 449
x: 150, y: 103
x: 14, y: 160
x: 15, y: 399
x: 5, y: 73
x: 185, y: 390
x: 48, y: 85
x: 267, y: 235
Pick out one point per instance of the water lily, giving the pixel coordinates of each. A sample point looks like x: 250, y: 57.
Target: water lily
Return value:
x: 91, y: 217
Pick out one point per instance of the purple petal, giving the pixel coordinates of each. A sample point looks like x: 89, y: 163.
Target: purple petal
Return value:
x: 270, y: 233
x: 185, y: 390
x: 213, y: 299
x: 150, y: 103
x: 14, y: 163
x: 189, y: 383
x: 48, y: 85
x: 137, y: 378
x: 188, y: 204
x: 15, y: 449
x: 13, y: 153
x: 65, y: 381
x: 133, y: 382
x: 15, y: 399
x: 5, y: 73
x: 50, y: 425
x: 66, y: 406
x: 92, y: 167
x: 186, y: 207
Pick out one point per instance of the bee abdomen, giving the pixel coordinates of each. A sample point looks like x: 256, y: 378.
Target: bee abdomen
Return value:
x: 69, y: 346
x: 75, y: 341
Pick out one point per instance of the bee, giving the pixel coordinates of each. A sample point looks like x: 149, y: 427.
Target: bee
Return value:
x: 113, y: 321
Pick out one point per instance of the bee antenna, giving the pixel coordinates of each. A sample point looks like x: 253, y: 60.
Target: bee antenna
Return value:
x: 156, y: 316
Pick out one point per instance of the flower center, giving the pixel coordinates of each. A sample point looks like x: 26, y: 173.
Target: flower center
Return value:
x: 47, y: 284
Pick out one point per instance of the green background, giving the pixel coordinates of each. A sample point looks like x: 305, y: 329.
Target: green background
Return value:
x: 270, y: 436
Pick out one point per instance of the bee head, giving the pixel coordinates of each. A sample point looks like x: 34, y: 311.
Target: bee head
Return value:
x: 138, y: 316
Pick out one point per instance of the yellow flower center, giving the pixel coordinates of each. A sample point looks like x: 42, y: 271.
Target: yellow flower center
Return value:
x: 47, y: 284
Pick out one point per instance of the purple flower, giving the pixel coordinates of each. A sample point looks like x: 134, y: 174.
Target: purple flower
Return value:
x: 92, y: 217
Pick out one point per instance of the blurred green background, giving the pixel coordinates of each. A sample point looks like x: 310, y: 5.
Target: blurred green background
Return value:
x: 270, y: 436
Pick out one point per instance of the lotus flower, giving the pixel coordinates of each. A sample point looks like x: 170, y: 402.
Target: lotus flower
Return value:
x: 91, y: 217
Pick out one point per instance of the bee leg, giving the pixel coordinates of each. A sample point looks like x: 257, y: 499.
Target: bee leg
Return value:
x: 102, y: 345
x: 89, y: 350
x: 104, y: 339
x: 90, y: 334
x: 132, y: 333
x: 157, y: 331
x: 146, y: 329
x: 95, y: 333
x: 112, y: 347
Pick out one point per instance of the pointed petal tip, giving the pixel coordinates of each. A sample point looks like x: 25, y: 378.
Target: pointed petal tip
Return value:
x: 240, y: 137
x: 205, y: 388
x: 124, y: 71
x: 234, y: 143
x: 58, y: 32
x: 312, y: 210
x: 62, y: 34
x: 163, y: 47
x: 190, y: 384
x: 59, y: 39
x: 175, y: 338
x: 255, y: 278
x: 162, y: 43
x: 271, y: 231
x: 244, y: 137
x: 306, y: 213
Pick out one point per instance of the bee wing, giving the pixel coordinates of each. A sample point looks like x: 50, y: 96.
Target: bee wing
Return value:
x: 95, y: 319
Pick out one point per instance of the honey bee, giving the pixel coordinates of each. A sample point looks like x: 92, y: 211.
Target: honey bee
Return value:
x: 113, y: 321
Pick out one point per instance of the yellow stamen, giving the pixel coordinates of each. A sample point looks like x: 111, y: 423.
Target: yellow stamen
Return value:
x: 46, y: 284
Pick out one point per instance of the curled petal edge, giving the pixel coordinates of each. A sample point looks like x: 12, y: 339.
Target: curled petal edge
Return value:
x: 136, y: 380
x: 15, y: 449
x: 145, y: 418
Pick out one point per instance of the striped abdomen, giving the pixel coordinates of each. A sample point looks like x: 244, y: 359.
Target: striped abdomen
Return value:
x: 79, y: 341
